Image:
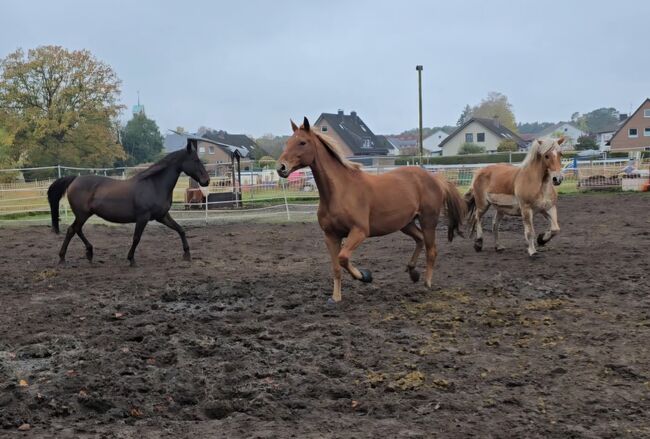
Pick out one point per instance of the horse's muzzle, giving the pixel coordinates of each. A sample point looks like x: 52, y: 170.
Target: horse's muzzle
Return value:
x: 557, y: 180
x: 205, y: 182
x: 282, y: 169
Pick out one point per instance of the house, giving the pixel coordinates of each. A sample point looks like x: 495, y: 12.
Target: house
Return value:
x: 569, y: 130
x: 605, y: 135
x: 210, y: 151
x: 488, y: 133
x: 353, y: 136
x: 406, y: 144
x: 432, y: 141
x: 634, y: 133
x: 247, y: 146
x: 392, y: 149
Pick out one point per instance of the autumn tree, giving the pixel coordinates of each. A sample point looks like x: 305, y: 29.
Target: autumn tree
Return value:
x: 60, y: 107
x: 507, y: 145
x: 464, y: 116
x: 496, y: 106
x: 141, y: 140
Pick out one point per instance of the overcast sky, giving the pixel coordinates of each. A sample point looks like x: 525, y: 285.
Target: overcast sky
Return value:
x: 248, y: 66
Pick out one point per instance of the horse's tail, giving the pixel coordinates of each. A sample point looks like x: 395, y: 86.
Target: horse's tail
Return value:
x: 54, y: 194
x: 455, y: 206
x: 470, y: 202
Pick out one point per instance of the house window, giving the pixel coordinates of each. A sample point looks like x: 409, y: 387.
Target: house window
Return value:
x: 202, y: 149
x: 323, y: 128
x: 632, y: 132
x: 646, y: 132
x: 469, y: 137
x: 211, y: 149
x: 646, y: 112
x: 480, y: 137
x: 367, y: 144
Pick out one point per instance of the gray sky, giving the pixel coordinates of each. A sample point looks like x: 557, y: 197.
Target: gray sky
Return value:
x: 248, y: 66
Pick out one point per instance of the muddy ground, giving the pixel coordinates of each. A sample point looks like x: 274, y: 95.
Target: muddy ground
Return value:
x: 240, y: 343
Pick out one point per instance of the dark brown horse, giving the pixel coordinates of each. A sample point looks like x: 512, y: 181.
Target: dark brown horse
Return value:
x: 145, y: 197
x: 355, y: 205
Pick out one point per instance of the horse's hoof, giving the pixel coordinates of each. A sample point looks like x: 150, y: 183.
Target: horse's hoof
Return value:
x: 187, y: 257
x: 427, y: 283
x: 478, y: 245
x: 366, y: 275
x: 499, y: 249
x: 540, y: 240
x: 61, y: 262
x: 132, y: 263
x: 533, y: 255
x: 415, y: 275
x: 331, y: 303
x: 89, y: 256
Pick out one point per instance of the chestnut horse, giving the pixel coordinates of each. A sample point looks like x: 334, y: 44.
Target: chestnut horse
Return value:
x: 355, y: 205
x: 523, y: 190
x: 145, y: 197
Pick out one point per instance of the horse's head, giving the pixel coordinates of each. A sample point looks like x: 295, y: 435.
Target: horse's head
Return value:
x: 550, y: 155
x: 300, y: 150
x: 191, y: 164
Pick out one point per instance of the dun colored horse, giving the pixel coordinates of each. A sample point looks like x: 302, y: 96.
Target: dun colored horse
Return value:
x: 146, y: 196
x: 355, y: 205
x: 523, y: 191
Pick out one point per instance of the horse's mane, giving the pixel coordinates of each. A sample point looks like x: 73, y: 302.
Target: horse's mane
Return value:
x: 547, y: 144
x: 160, y: 165
x: 332, y: 147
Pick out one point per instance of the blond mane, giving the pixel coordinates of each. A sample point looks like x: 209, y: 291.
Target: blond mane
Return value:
x: 331, y: 146
x: 546, y: 145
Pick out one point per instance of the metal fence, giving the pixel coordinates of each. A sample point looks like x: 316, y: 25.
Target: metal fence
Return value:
x: 263, y: 195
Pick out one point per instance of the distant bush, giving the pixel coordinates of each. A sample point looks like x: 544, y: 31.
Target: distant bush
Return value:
x: 471, y: 148
x: 585, y: 143
x: 507, y: 145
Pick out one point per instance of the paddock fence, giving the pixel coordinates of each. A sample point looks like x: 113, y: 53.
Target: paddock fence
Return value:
x: 263, y: 196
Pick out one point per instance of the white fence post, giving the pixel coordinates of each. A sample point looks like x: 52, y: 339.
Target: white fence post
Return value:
x: 286, y: 203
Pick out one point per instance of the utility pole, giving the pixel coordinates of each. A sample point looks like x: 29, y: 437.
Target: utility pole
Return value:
x: 419, y: 69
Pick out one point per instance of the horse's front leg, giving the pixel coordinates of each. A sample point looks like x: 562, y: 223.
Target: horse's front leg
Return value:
x: 139, y: 228
x: 551, y: 216
x: 354, y: 239
x: 334, y: 247
x: 529, y: 229
x: 169, y: 222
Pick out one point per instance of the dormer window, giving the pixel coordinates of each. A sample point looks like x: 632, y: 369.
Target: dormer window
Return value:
x: 367, y: 143
x: 323, y: 129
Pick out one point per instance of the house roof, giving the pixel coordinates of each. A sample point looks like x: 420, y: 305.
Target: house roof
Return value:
x: 176, y: 140
x: 647, y: 100
x: 355, y: 133
x: 496, y: 128
x: 239, y: 141
x: 553, y: 128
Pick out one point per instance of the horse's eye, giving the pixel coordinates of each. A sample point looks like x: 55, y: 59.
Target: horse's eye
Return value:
x: 303, y: 143
x: 546, y: 156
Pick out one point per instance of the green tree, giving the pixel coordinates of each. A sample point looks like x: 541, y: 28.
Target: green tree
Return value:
x: 532, y: 127
x: 465, y: 115
x: 141, y: 140
x: 496, y: 105
x: 273, y: 145
x: 599, y: 120
x: 62, y: 106
x: 471, y: 148
x: 507, y: 145
x: 586, y: 142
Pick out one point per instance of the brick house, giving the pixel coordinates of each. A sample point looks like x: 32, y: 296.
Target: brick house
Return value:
x: 635, y: 132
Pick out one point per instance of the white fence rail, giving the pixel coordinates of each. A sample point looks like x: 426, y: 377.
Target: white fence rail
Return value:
x: 262, y: 194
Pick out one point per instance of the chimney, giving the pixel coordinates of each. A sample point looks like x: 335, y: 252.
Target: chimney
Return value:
x: 340, y: 114
x: 622, y: 117
x: 496, y: 120
x: 353, y: 114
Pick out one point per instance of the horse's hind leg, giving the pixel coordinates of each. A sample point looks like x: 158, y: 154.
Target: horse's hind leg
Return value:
x: 169, y: 222
x: 481, y: 208
x: 66, y: 241
x: 414, y: 232
x: 139, y: 228
x: 79, y: 223
x: 551, y: 216
x: 354, y: 239
x: 498, y: 216
x: 334, y: 247
x: 429, y: 231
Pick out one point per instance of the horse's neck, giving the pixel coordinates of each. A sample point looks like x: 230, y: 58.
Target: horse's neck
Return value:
x: 167, y: 179
x: 330, y: 175
x: 536, y: 174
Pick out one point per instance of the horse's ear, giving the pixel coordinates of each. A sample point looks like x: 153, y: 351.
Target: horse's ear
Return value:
x: 191, y: 145
x: 560, y: 141
x: 539, y: 142
x: 305, y: 124
x: 294, y: 127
